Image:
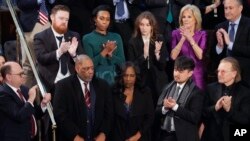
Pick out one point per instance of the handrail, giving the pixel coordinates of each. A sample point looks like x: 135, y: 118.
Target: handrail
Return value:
x: 32, y: 64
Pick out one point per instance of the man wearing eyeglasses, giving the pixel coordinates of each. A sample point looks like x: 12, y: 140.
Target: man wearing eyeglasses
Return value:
x: 17, y: 107
x: 227, y: 102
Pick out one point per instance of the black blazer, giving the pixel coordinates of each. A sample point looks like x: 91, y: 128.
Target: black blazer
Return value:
x: 239, y: 113
x: 241, y: 47
x: 187, y: 117
x: 70, y: 109
x: 29, y: 13
x: 15, y: 115
x: 155, y: 75
x: 140, y: 118
x: 45, y: 50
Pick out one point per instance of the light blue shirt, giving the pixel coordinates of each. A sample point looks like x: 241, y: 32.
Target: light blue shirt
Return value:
x: 230, y: 45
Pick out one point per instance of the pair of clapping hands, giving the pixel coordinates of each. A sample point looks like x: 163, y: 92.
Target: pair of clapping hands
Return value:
x: 69, y: 46
x: 108, y: 48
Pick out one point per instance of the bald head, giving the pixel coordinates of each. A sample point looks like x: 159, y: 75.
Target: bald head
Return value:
x: 13, y: 74
x: 84, y: 67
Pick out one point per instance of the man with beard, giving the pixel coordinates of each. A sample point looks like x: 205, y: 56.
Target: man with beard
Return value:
x: 83, y: 105
x: 180, y: 105
x: 56, y: 48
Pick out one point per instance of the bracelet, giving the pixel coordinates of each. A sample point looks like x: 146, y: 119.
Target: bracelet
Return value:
x: 192, y: 44
x: 177, y: 49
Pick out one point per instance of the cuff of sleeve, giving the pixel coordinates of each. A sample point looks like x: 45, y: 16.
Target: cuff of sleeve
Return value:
x: 164, y: 110
x: 218, y: 50
x: 230, y: 46
x: 175, y: 107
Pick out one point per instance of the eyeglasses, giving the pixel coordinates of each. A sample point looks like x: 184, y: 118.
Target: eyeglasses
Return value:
x: 222, y: 71
x: 20, y: 74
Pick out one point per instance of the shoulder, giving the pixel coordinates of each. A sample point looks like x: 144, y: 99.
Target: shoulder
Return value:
x: 89, y: 36
x: 44, y: 33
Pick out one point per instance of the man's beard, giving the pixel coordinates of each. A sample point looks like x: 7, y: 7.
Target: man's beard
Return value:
x: 60, y: 29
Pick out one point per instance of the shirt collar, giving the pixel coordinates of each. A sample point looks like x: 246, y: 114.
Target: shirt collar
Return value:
x: 13, y: 88
x: 236, y: 22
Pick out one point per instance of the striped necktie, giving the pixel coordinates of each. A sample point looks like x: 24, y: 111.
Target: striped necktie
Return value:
x: 43, y: 13
x: 87, y: 96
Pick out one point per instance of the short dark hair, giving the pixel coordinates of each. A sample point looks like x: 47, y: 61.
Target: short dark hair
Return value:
x: 184, y: 63
x: 100, y: 8
x: 5, y: 69
x: 59, y: 8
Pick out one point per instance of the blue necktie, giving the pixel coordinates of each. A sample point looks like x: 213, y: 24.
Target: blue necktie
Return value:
x: 231, y: 37
x: 63, y: 58
x: 232, y: 32
x: 120, y: 8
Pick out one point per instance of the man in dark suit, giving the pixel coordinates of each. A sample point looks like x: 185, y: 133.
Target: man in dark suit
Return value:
x: 233, y: 38
x: 227, y: 102
x: 180, y: 105
x: 17, y: 107
x: 82, y: 105
x: 56, y: 48
x: 34, y: 18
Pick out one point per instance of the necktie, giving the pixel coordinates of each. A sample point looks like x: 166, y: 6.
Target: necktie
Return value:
x: 120, y: 8
x: 87, y: 96
x: 20, y: 95
x: 231, y: 37
x: 232, y: 32
x: 176, y: 92
x: 63, y: 58
x: 43, y: 13
x: 33, y: 130
x: 170, y: 14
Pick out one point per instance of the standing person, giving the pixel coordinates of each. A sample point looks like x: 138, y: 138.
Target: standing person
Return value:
x: 233, y: 38
x: 133, y: 106
x: 190, y: 40
x: 106, y: 50
x: 56, y: 48
x: 17, y: 107
x: 83, y: 105
x: 227, y: 102
x: 147, y: 49
x: 34, y: 18
x: 180, y: 105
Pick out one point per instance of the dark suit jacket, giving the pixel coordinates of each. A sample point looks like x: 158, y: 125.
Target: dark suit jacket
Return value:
x: 187, y: 117
x: 140, y: 118
x: 15, y: 115
x: 70, y: 109
x: 239, y: 113
x: 29, y: 13
x: 45, y: 49
x: 241, y: 47
x: 155, y: 77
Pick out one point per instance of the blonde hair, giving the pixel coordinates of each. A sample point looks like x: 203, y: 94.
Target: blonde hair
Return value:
x: 197, y: 15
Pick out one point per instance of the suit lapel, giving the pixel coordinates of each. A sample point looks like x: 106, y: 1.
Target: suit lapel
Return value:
x: 12, y: 94
x: 52, y: 39
x: 79, y: 96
